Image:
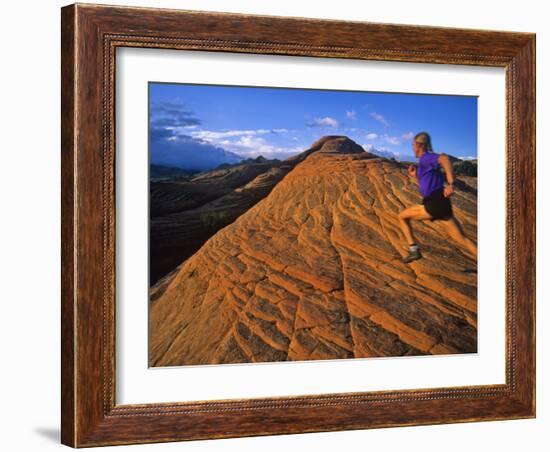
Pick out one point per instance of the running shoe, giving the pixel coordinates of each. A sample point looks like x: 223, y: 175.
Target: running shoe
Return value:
x: 412, y: 256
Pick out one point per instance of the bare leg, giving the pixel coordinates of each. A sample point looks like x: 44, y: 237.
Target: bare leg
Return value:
x: 415, y: 212
x: 453, y: 228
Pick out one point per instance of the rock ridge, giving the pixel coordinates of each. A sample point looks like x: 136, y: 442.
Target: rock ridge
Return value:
x: 313, y: 271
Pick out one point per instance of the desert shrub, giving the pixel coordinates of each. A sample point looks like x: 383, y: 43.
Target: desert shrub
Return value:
x: 212, y: 219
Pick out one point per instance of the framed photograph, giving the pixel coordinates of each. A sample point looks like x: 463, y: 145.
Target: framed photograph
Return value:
x: 280, y: 225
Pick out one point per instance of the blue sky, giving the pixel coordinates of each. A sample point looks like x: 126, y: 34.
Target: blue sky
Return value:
x: 280, y: 122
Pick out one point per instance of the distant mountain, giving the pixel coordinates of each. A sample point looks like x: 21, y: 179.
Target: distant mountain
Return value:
x: 159, y: 172
x: 452, y: 158
x: 249, y: 161
x: 186, y: 152
x: 185, y: 212
x: 465, y: 167
x: 413, y: 159
x: 260, y: 159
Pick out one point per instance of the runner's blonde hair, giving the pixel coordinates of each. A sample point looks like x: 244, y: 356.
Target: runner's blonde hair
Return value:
x: 425, y: 139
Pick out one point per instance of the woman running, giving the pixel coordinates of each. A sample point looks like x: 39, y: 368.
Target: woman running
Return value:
x: 436, y: 202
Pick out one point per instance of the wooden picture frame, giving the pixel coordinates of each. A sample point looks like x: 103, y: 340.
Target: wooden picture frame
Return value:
x: 90, y: 36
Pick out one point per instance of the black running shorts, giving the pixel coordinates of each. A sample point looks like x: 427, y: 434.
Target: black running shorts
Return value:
x: 438, y: 206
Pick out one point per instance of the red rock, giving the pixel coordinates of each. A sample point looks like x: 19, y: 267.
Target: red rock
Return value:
x: 313, y: 271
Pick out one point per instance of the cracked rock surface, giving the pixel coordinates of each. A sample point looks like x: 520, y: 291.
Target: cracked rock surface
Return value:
x: 313, y: 271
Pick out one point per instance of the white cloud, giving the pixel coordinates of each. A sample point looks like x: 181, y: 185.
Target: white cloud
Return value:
x: 389, y: 139
x: 323, y: 122
x: 395, y: 141
x: 380, y: 119
x: 383, y: 151
x: 210, y: 135
x: 351, y: 114
x: 251, y: 146
x: 247, y: 143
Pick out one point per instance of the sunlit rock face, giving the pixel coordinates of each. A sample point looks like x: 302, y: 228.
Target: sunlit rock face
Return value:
x: 314, y: 271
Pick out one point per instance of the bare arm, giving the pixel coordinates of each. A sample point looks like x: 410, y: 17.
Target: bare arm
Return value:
x: 445, y: 162
x: 412, y: 172
x: 447, y: 165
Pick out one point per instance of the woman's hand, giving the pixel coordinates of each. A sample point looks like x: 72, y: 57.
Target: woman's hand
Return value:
x: 448, y: 191
x: 412, y: 170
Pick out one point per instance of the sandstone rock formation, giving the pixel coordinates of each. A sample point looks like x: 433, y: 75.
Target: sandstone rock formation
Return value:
x: 186, y: 212
x: 313, y: 271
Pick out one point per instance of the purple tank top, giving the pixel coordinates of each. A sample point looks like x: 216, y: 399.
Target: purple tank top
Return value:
x: 428, y: 173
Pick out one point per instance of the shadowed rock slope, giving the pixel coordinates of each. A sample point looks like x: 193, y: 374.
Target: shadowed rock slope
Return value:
x: 186, y: 212
x: 206, y: 204
x: 313, y: 271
